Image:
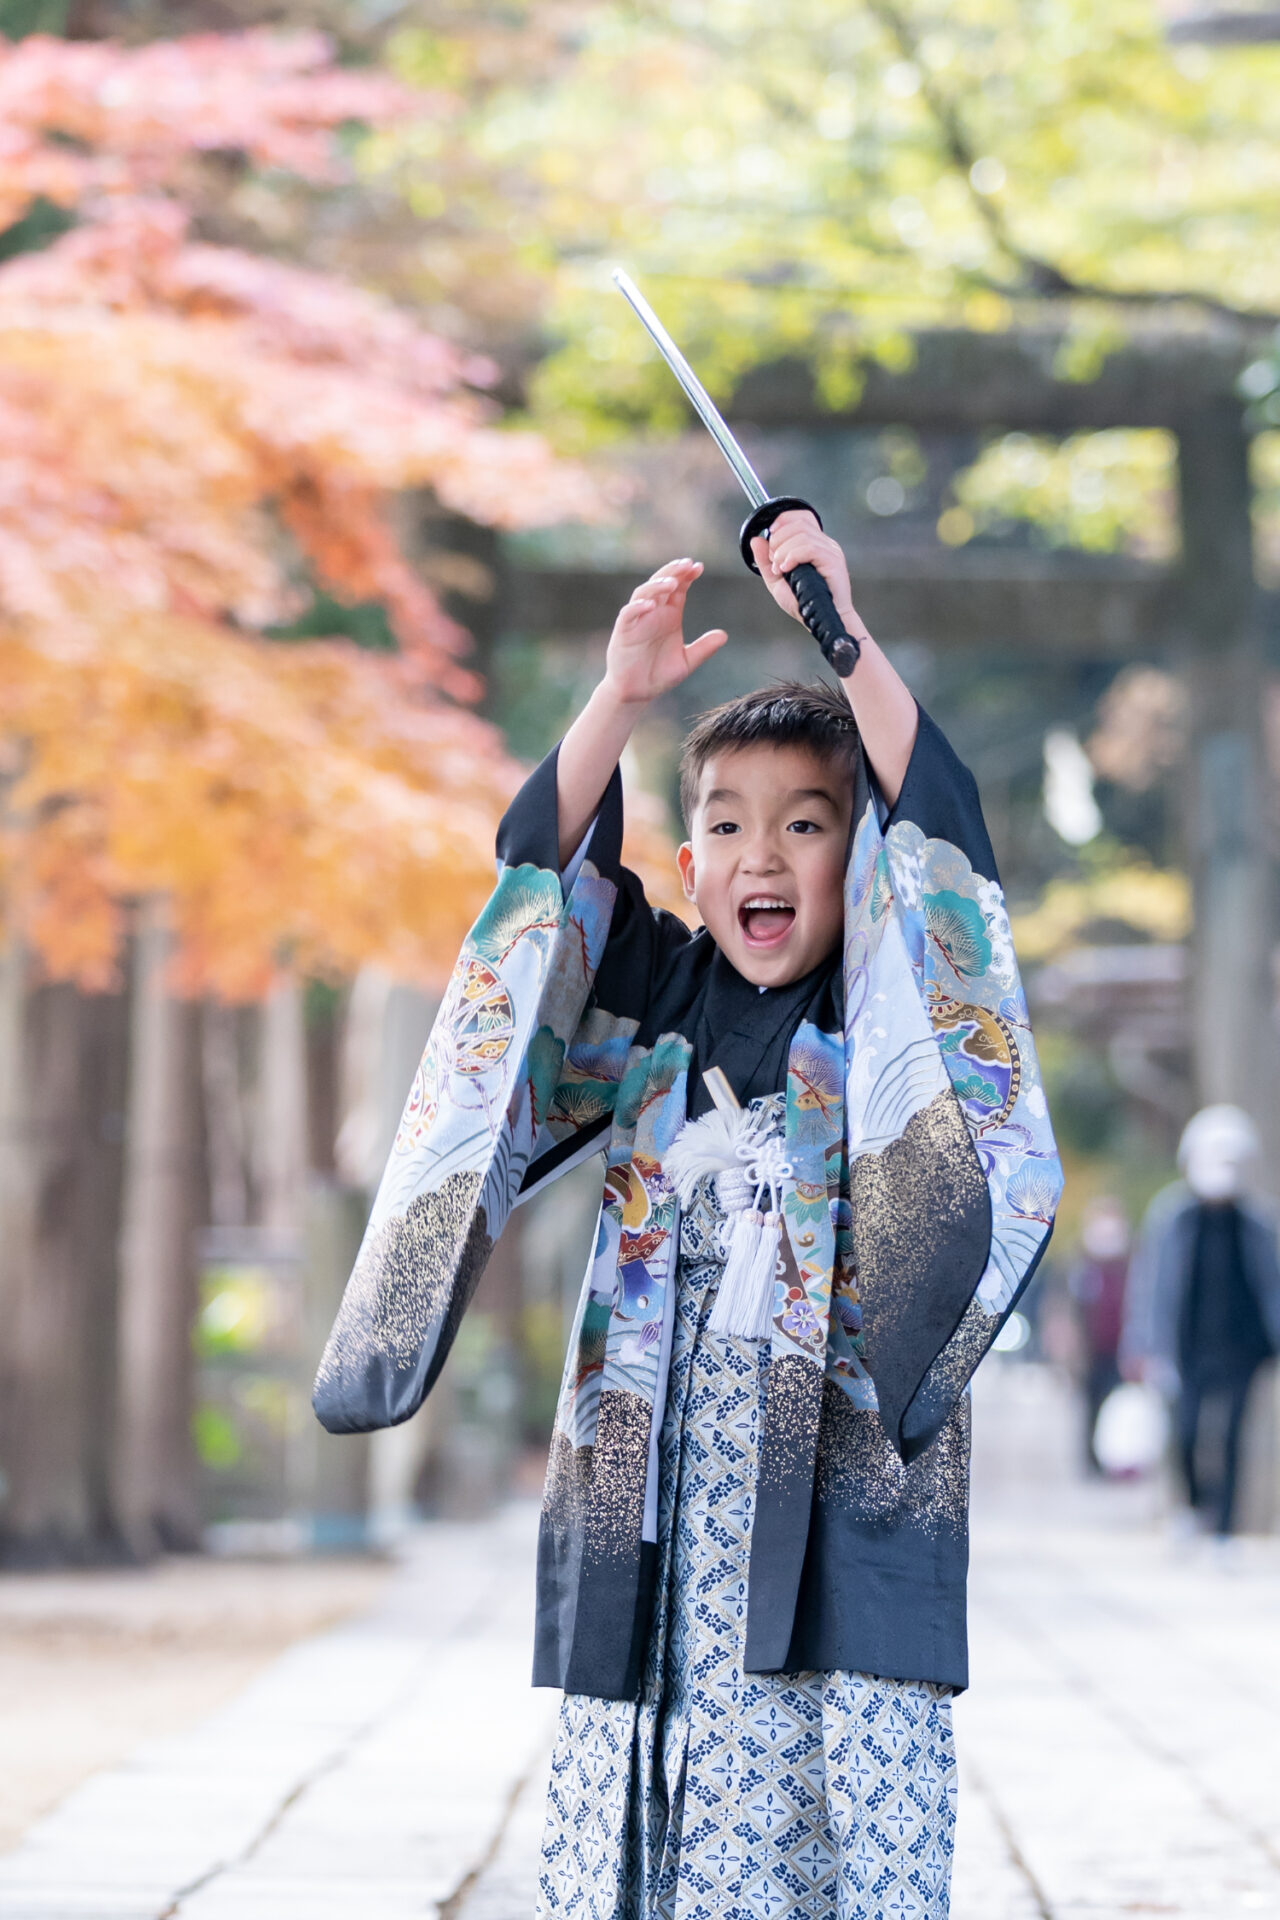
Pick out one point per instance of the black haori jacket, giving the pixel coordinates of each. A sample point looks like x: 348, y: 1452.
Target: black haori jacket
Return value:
x: 922, y: 1189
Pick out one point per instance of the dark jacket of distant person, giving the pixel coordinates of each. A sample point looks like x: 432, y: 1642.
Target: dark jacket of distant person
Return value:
x: 1159, y: 1335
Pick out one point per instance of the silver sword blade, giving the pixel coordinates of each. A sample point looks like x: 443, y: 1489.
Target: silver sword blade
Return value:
x: 703, y: 405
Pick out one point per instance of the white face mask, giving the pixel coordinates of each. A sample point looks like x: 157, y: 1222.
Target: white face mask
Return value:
x: 1217, y: 1146
x: 1211, y: 1177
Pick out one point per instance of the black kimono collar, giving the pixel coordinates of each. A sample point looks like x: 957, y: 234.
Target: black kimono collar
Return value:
x: 747, y: 1030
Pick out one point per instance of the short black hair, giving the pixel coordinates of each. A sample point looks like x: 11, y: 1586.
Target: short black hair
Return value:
x: 790, y: 713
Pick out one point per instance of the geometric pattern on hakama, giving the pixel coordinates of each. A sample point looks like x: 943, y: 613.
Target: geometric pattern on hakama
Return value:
x: 721, y: 1794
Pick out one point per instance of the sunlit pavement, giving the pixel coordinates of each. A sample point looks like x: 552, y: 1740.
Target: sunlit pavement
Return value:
x: 369, y: 1774
x: 1118, y: 1748
x: 1119, y: 1745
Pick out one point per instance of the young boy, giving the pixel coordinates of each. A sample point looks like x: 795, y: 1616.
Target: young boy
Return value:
x: 829, y: 1175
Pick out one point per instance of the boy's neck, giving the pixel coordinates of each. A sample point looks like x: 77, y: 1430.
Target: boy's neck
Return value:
x: 809, y: 978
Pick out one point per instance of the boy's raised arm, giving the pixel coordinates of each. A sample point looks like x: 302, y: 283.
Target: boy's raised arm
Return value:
x: 647, y: 656
x: 883, y: 706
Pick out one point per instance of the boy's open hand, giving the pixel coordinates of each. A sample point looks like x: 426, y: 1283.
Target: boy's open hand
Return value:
x: 647, y: 654
x: 794, y: 538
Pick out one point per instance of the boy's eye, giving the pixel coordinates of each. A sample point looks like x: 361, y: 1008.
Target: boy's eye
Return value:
x: 803, y: 826
x: 724, y: 826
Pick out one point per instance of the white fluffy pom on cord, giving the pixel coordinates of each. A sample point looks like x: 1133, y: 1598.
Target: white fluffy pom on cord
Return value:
x: 749, y: 1167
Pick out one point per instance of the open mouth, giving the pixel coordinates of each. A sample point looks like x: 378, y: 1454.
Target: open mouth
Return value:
x: 765, y: 920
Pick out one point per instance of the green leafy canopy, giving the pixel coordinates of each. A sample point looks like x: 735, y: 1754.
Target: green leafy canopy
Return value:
x: 810, y: 175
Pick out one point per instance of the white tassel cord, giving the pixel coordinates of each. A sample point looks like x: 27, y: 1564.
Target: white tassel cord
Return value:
x: 749, y: 1170
x: 744, y: 1305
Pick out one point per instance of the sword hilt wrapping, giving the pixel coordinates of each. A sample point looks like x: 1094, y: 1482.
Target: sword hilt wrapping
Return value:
x: 840, y: 649
x: 813, y: 596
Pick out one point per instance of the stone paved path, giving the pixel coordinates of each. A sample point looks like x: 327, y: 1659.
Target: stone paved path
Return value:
x: 1119, y: 1746
x: 369, y: 1774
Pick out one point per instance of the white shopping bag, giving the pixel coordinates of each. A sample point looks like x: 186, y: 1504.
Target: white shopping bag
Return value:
x: 1132, y: 1430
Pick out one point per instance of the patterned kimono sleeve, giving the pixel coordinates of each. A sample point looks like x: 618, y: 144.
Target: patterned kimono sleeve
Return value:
x: 954, y: 1176
x: 637, y: 954
x: 518, y: 1080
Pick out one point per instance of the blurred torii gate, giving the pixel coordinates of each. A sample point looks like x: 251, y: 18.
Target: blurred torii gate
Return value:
x: 1204, y: 614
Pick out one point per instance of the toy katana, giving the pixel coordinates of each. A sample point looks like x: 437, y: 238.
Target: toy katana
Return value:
x: 813, y: 596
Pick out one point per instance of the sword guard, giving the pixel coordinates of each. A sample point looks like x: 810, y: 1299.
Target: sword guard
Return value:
x: 762, y: 519
x: 813, y: 596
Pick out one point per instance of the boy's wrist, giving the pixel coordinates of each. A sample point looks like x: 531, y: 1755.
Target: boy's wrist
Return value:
x: 610, y: 698
x: 851, y: 619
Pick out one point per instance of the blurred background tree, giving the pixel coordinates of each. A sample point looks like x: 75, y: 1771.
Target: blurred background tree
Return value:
x: 203, y: 451
x: 818, y: 184
x: 200, y: 441
x: 821, y: 178
x: 327, y: 442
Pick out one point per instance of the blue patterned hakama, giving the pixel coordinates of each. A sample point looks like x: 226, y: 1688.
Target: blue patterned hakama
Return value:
x: 724, y: 1795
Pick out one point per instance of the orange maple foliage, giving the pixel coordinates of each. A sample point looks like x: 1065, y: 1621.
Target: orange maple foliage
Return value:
x: 86, y: 118
x: 189, y: 432
x: 292, y: 811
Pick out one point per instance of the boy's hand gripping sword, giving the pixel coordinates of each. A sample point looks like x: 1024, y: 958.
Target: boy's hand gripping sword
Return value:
x: 813, y: 595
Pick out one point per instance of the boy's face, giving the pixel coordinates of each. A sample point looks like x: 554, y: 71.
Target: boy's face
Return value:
x: 765, y: 862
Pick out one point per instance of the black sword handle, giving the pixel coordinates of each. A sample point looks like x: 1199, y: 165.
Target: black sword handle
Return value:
x: 840, y: 649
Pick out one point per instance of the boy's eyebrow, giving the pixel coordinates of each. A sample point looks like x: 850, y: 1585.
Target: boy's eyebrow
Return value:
x: 814, y: 793
x: 796, y: 793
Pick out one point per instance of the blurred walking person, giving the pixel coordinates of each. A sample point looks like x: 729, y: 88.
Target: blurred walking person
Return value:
x: 1204, y: 1304
x: 1096, y: 1284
